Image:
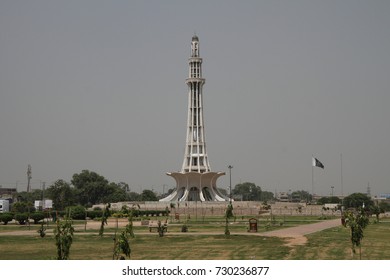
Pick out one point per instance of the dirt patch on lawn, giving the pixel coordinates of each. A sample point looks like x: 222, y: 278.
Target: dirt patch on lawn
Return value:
x: 296, y: 241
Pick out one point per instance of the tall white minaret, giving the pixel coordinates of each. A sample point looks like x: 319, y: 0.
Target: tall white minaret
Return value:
x: 195, y: 181
x: 195, y: 156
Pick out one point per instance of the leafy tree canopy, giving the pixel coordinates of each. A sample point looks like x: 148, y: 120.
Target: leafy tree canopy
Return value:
x: 29, y: 196
x: 329, y: 199
x: 148, y: 195
x: 62, y: 194
x: 134, y: 196
x: 81, y: 180
x: 267, y: 196
x: 301, y: 195
x: 248, y: 191
x: 23, y: 207
x: 356, y: 200
x: 384, y: 206
x: 91, y: 187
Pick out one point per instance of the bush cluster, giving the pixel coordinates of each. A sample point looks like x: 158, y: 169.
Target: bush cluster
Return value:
x: 78, y: 213
x: 5, y: 218
x: 94, y: 214
x: 37, y: 216
x: 21, y: 218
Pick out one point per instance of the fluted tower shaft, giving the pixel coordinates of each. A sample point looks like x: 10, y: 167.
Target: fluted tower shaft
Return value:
x: 195, y: 155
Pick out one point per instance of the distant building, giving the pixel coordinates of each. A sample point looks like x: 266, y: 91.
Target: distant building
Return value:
x: 332, y: 206
x: 43, y: 204
x: 7, y: 193
x: 4, y: 206
x: 384, y: 196
x: 283, y: 197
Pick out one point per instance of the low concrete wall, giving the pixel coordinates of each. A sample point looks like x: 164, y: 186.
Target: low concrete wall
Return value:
x: 241, y: 208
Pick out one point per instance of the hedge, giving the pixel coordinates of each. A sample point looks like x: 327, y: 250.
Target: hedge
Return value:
x: 21, y: 218
x: 94, y: 214
x: 6, y: 217
x: 37, y: 216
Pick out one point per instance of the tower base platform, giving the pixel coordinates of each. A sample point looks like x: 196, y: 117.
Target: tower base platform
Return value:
x: 195, y: 186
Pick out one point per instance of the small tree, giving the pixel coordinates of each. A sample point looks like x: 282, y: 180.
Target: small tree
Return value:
x: 121, y: 244
x: 356, y: 221
x: 106, y: 214
x: 63, y: 234
x: 42, y: 231
x: 184, y: 228
x: 377, y: 211
x: 121, y: 247
x: 171, y: 206
x: 160, y: 228
x: 129, y: 227
x: 228, y: 215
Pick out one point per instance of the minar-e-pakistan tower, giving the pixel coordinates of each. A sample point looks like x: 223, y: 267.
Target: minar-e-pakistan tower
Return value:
x: 195, y: 181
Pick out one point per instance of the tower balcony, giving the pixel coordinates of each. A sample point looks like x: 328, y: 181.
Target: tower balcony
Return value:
x: 195, y: 59
x: 199, y: 169
x: 195, y: 80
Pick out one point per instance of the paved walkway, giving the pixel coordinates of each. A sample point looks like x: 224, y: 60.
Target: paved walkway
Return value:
x: 297, y: 234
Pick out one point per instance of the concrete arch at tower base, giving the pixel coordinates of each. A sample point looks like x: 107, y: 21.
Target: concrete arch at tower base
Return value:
x: 195, y: 186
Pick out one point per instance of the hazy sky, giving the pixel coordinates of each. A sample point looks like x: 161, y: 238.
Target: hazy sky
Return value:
x: 100, y: 85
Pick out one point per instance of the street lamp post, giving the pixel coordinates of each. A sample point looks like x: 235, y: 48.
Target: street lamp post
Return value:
x: 230, y: 185
x: 332, y: 190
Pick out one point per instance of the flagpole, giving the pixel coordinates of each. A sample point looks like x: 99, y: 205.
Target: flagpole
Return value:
x: 312, y: 177
x: 341, y: 173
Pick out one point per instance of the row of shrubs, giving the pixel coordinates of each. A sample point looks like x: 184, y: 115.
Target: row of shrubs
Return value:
x: 76, y: 213
x: 144, y: 213
x: 79, y: 213
x: 22, y: 218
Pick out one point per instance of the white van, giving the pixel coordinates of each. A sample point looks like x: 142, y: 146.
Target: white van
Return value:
x: 4, y: 206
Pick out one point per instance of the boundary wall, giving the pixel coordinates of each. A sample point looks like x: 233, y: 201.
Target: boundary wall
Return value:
x: 241, y: 208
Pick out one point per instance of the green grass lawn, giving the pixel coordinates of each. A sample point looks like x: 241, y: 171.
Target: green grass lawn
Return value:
x: 335, y: 244
x: 184, y: 247
x: 331, y: 244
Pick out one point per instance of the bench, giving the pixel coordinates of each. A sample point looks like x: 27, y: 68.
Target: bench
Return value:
x: 153, y: 226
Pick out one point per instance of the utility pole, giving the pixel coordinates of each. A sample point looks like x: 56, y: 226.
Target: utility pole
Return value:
x: 28, y: 178
x: 368, y: 189
x: 341, y: 174
x: 230, y: 185
x: 43, y: 196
